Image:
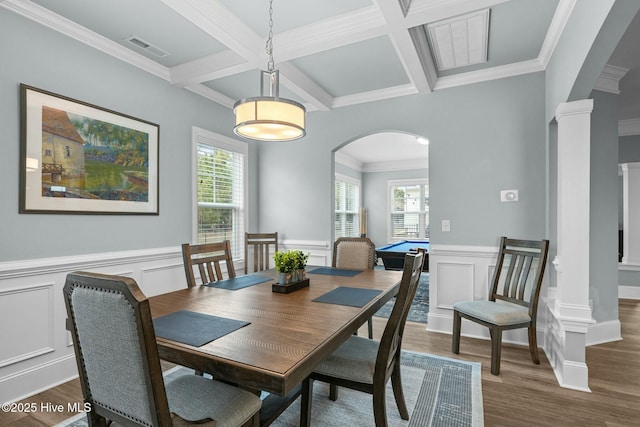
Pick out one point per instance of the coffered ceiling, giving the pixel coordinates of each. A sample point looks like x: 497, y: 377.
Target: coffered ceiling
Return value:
x: 330, y: 53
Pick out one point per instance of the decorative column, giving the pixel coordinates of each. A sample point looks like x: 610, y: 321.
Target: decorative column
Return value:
x: 571, y: 311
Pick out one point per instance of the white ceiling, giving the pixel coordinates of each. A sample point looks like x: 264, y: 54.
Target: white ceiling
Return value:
x: 330, y: 53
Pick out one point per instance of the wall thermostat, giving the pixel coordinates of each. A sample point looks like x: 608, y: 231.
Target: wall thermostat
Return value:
x: 509, y: 196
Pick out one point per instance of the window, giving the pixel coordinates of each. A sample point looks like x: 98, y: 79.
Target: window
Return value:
x: 220, y: 189
x: 347, y: 193
x: 408, y: 209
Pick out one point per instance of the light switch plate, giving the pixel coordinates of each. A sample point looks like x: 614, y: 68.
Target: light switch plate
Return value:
x: 446, y: 225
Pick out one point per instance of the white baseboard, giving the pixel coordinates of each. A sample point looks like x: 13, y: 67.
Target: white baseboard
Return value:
x: 603, y: 332
x: 629, y: 292
x: 38, y: 378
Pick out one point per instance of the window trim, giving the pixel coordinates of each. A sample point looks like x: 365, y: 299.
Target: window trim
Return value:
x: 353, y: 181
x: 201, y: 136
x: 393, y: 183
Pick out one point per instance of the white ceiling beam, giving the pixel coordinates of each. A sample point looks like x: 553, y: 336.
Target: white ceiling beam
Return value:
x: 403, y: 44
x: 374, y: 95
x: 211, y: 67
x: 212, y: 95
x: 359, y: 25
x: 217, y: 21
x: 303, y: 86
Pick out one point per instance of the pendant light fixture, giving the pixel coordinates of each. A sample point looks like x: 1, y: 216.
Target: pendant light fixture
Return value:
x: 269, y: 117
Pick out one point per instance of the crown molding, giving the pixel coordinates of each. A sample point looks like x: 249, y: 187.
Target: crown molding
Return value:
x: 609, y: 79
x: 348, y: 161
x: 69, y: 28
x: 396, y: 165
x: 560, y: 19
x: 629, y: 127
x: 500, y: 72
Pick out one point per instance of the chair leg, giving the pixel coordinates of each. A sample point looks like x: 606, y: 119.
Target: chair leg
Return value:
x: 380, y: 406
x: 333, y: 392
x: 305, y: 402
x: 370, y: 324
x: 533, y: 345
x: 398, y: 393
x: 496, y: 349
x: 455, y: 343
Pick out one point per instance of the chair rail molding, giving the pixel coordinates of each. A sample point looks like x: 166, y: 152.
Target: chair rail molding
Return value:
x: 36, y: 353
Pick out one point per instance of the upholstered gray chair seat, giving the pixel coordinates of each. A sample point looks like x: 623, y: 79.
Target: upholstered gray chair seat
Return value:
x: 498, y: 313
x: 194, y: 398
x: 355, y: 360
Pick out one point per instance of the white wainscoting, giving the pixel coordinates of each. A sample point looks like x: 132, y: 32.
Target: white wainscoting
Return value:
x: 36, y: 351
x: 463, y: 273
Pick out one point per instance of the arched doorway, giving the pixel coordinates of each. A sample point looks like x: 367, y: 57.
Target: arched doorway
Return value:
x: 368, y: 171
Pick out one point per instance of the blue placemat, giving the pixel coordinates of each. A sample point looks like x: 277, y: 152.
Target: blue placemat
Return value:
x: 193, y: 328
x: 344, y: 295
x: 239, y: 282
x: 335, y: 271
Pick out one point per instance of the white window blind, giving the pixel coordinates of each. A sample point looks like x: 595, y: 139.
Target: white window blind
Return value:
x: 347, y: 205
x: 409, y: 210
x: 220, y: 196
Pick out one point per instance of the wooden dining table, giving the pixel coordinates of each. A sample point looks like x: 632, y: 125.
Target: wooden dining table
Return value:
x: 288, y: 334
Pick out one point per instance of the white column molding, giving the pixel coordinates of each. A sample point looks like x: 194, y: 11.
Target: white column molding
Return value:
x: 572, y: 261
x: 570, y: 313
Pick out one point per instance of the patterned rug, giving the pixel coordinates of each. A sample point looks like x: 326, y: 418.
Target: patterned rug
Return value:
x: 420, y: 306
x: 439, y: 392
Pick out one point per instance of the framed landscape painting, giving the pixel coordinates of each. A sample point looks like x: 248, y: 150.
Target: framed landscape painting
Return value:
x: 79, y: 158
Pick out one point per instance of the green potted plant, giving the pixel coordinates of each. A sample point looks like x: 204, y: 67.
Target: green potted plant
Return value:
x: 290, y: 265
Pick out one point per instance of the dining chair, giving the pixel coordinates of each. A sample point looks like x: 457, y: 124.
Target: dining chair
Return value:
x: 357, y: 253
x: 366, y: 365
x: 207, y: 257
x: 119, y: 366
x: 258, y: 244
x: 513, y: 299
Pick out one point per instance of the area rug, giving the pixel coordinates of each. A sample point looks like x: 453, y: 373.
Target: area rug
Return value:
x: 419, y: 307
x: 439, y: 392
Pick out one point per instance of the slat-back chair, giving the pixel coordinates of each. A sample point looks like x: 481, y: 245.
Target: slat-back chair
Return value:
x: 513, y: 300
x: 356, y: 253
x: 119, y: 366
x: 366, y: 365
x: 259, y: 244
x: 207, y: 257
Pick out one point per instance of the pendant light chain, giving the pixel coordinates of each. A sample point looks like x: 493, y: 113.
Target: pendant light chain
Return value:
x: 269, y: 46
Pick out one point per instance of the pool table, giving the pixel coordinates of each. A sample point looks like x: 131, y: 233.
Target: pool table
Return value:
x: 393, y: 255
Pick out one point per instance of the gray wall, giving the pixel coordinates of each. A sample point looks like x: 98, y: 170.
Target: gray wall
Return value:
x: 483, y: 138
x: 375, y: 194
x: 603, y: 274
x: 48, y: 60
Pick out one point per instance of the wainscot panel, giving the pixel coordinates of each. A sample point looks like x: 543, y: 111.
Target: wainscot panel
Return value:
x: 37, y: 351
x: 462, y: 273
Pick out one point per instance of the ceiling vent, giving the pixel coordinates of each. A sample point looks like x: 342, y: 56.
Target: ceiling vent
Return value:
x: 146, y: 46
x: 460, y: 41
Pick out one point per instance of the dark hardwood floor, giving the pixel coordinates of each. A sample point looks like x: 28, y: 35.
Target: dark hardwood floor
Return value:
x: 523, y: 395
